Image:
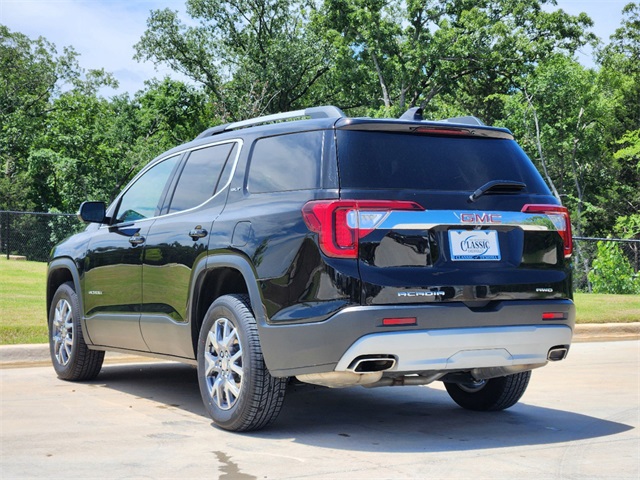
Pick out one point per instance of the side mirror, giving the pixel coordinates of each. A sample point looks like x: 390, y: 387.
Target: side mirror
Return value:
x: 92, y: 212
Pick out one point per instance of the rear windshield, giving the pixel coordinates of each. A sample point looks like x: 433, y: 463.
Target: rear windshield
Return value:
x: 384, y: 160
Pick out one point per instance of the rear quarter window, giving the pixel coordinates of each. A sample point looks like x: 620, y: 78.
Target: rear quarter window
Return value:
x: 286, y: 162
x: 384, y: 160
x: 200, y: 176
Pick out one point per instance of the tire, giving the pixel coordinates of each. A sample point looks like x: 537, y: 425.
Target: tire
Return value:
x: 237, y: 389
x: 71, y: 358
x: 490, y: 395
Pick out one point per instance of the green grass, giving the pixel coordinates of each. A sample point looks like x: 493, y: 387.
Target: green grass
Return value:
x: 602, y: 308
x: 23, y: 318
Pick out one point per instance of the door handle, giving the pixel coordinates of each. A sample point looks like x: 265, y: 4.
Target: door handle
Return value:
x: 136, y: 239
x: 197, y: 233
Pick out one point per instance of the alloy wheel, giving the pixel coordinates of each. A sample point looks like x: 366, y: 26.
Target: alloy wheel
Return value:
x: 223, y: 364
x: 62, y: 332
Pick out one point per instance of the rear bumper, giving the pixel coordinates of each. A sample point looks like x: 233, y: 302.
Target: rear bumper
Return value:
x: 511, y: 333
x: 458, y: 349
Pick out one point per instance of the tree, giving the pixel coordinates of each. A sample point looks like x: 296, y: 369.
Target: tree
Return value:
x: 32, y: 77
x: 620, y: 75
x: 412, y: 52
x: 165, y: 114
x: 93, y: 146
x: 611, y: 271
x: 563, y: 118
x: 252, y: 56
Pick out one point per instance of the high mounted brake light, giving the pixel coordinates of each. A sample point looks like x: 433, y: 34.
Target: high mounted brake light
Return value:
x: 340, y: 224
x: 559, y: 216
x: 442, y: 131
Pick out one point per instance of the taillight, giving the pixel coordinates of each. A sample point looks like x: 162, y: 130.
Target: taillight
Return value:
x: 559, y: 216
x: 340, y: 224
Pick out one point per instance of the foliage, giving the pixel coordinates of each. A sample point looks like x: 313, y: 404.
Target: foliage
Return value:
x: 563, y: 118
x: 252, y: 56
x: 62, y: 144
x: 611, y: 272
x: 34, y: 110
x: 628, y: 226
x: 631, y: 150
x: 409, y: 52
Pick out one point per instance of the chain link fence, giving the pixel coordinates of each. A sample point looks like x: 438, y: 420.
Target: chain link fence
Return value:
x: 33, y: 234
x: 585, y: 251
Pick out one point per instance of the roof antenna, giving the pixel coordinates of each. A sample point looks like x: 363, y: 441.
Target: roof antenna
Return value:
x: 414, y: 114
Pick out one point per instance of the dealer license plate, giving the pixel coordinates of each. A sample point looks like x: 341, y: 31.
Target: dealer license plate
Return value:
x: 474, y: 245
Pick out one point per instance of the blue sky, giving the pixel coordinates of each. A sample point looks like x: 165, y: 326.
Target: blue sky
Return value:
x: 104, y: 31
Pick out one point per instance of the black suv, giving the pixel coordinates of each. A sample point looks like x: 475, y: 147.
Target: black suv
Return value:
x: 338, y: 251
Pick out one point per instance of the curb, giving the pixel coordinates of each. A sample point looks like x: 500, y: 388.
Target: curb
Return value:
x: 35, y: 355
x: 15, y: 356
x: 605, y: 332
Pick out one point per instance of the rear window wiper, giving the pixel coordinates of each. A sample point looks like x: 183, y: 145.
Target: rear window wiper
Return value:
x: 497, y: 187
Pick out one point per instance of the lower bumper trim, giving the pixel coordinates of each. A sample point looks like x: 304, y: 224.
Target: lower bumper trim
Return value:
x: 461, y: 348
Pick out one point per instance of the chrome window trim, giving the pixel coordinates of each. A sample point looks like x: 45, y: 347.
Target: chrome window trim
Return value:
x: 238, y: 141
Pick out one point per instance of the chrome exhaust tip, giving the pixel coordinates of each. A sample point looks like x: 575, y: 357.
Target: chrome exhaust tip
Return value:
x: 372, y: 363
x: 557, y: 353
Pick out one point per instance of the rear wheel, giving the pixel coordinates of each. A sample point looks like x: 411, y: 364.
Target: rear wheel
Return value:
x: 237, y: 389
x: 71, y: 358
x: 490, y: 395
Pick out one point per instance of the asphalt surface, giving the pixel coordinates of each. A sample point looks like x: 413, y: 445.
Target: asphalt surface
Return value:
x: 579, y: 420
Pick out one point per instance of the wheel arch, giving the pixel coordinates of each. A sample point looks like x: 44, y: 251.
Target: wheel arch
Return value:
x: 62, y: 270
x: 219, y: 275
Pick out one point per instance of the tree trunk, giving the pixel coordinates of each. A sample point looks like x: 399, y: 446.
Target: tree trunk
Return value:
x: 383, y: 84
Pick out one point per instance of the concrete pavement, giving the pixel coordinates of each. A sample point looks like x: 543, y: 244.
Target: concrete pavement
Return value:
x: 578, y: 420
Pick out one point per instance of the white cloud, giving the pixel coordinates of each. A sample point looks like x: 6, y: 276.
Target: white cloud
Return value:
x: 103, y: 32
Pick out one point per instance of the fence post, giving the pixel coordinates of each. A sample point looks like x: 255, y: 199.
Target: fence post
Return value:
x: 8, y: 235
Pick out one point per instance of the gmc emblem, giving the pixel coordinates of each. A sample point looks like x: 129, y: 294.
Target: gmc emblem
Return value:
x: 480, y: 218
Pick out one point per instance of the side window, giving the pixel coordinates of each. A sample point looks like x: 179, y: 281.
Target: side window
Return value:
x: 286, y: 162
x: 142, y: 198
x: 200, y: 176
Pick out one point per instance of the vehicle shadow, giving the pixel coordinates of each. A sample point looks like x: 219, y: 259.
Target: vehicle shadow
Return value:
x: 387, y: 419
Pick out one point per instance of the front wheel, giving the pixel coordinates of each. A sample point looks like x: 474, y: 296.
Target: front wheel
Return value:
x: 238, y: 391
x: 71, y: 358
x: 490, y: 395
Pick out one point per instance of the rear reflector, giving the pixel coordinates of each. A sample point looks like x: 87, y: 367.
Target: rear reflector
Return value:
x: 340, y: 224
x: 559, y: 216
x: 389, y: 322
x: 554, y: 316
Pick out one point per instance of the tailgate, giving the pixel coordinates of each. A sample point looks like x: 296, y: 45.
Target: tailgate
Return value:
x: 470, y: 256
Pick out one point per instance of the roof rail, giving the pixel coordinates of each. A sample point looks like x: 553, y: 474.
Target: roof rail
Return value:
x: 213, y: 130
x: 326, y: 111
